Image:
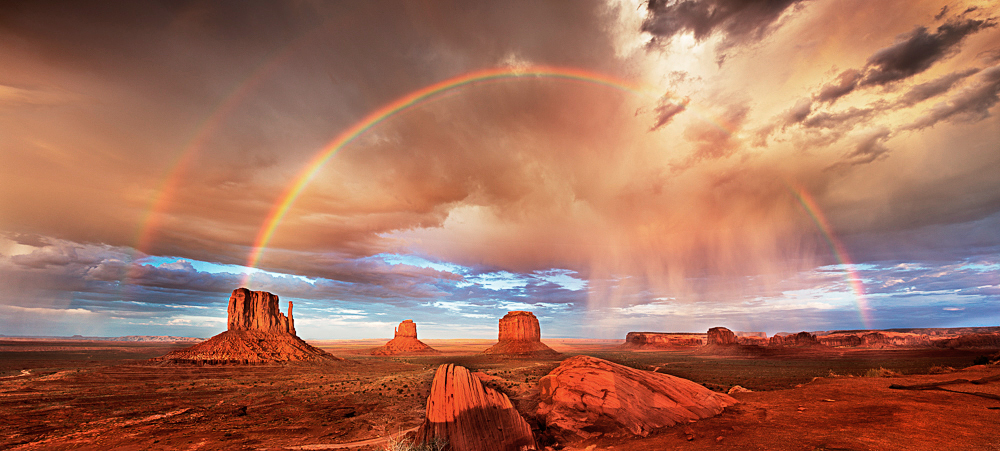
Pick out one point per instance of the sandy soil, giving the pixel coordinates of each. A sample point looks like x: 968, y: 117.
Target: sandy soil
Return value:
x: 104, y: 398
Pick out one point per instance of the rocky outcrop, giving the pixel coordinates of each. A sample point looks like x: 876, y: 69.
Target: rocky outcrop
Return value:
x: 405, y: 342
x: 258, y: 310
x: 987, y: 340
x: 258, y: 334
x: 520, y: 335
x: 720, y: 336
x: 471, y: 417
x: 876, y: 340
x: 585, y: 397
x: 801, y: 339
x: 644, y: 340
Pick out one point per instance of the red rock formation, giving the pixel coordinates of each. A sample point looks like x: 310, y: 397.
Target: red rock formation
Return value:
x: 520, y: 335
x: 800, y: 339
x: 258, y: 333
x: 644, y: 340
x: 720, y: 336
x: 258, y: 310
x: 987, y: 340
x: 586, y: 396
x: 471, y: 416
x: 752, y: 340
x: 405, y: 342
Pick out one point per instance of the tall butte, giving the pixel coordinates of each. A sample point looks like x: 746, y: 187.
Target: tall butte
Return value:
x: 405, y: 342
x: 520, y: 335
x: 258, y: 334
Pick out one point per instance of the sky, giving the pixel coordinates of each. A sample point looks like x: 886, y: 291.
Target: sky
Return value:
x: 612, y: 166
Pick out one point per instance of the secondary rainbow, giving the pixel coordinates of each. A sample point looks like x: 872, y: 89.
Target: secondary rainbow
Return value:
x: 839, y: 252
x: 408, y: 101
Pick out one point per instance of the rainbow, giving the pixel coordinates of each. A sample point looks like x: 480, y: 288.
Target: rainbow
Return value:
x: 839, y: 252
x: 409, y: 101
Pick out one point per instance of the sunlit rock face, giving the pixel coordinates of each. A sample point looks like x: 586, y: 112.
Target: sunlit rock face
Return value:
x: 258, y: 334
x: 469, y: 416
x: 586, y: 397
x: 520, y: 334
x: 405, y: 342
x: 258, y: 310
x: 801, y: 339
x: 662, y: 340
x: 720, y: 336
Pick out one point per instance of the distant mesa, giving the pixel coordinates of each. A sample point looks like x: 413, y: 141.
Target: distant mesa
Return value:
x: 799, y: 340
x: 469, y: 416
x: 520, y: 335
x: 405, y: 342
x: 585, y: 397
x: 720, y: 336
x: 258, y: 334
x: 647, y: 340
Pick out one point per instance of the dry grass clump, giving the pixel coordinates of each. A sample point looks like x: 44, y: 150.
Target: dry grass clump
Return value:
x: 936, y: 369
x: 405, y: 444
x: 880, y: 372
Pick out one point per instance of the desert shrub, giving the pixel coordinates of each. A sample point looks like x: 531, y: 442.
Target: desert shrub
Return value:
x: 403, y: 444
x: 880, y: 372
x: 940, y: 369
x: 981, y: 360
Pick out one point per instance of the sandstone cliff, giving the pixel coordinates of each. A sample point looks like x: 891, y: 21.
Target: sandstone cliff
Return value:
x: 472, y: 417
x: 645, y: 340
x: 801, y: 339
x: 720, y: 336
x: 585, y: 397
x: 258, y: 334
x: 520, y: 334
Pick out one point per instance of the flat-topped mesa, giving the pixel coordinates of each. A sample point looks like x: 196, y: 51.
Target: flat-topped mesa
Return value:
x: 258, y: 310
x: 720, y: 336
x: 662, y: 340
x: 405, y: 342
x: 520, y: 334
x: 801, y: 339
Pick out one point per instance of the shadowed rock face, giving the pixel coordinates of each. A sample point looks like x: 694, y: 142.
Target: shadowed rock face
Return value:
x: 585, y: 397
x: 472, y: 417
x: 405, y: 342
x: 662, y: 340
x: 258, y: 334
x: 520, y: 335
x: 258, y: 310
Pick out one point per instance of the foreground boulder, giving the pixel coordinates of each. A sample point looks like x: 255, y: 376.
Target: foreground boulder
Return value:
x: 520, y: 335
x: 720, y: 336
x: 585, y: 397
x: 405, y: 342
x: 471, y: 417
x: 258, y: 333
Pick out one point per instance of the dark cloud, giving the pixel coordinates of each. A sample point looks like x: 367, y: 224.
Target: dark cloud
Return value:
x: 971, y: 104
x: 741, y: 21
x: 918, y: 50
x: 667, y: 108
x: 843, y: 85
x: 933, y: 88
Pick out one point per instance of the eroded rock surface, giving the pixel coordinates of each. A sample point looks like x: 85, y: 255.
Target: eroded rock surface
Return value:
x: 801, y: 339
x: 662, y: 340
x: 258, y: 333
x: 720, y: 336
x: 520, y: 334
x: 471, y: 416
x: 586, y: 397
x: 405, y: 342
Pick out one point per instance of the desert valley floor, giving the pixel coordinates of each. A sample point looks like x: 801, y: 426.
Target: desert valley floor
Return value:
x: 103, y: 395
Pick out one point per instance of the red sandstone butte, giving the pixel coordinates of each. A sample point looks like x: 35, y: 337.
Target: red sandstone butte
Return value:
x: 586, y: 397
x: 258, y: 334
x: 520, y: 335
x: 720, y: 336
x: 405, y: 342
x: 472, y: 417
